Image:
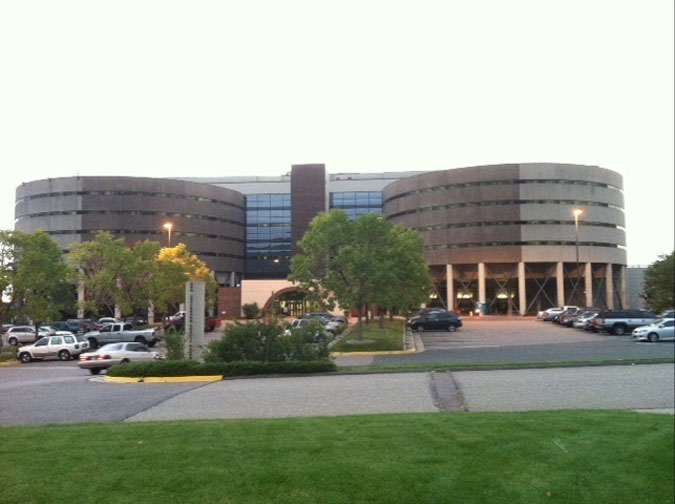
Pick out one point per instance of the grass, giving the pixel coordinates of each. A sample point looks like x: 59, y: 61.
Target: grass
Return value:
x: 390, y: 338
x: 477, y: 366
x: 558, y: 457
x: 8, y: 353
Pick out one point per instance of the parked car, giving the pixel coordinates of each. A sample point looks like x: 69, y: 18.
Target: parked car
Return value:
x: 580, y: 321
x: 81, y: 326
x: 122, y: 332
x: 423, y: 313
x: 116, y: 353
x: 24, y: 334
x: 662, y: 329
x: 62, y: 347
x: 178, y: 323
x: 103, y: 321
x: 137, y: 321
x: 670, y: 314
x: 62, y: 326
x: 321, y: 325
x: 437, y: 321
x: 620, y: 322
x: 547, y: 315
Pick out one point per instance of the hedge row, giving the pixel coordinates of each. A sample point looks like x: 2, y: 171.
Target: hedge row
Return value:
x: 242, y: 368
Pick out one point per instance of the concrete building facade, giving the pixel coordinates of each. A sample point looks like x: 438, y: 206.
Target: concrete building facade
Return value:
x: 503, y: 236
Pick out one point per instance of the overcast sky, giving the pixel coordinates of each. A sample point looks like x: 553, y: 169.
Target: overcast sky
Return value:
x: 198, y: 88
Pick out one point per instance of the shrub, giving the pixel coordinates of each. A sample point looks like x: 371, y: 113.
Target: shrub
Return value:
x: 251, y: 311
x: 175, y: 345
x: 266, y: 342
x: 192, y: 368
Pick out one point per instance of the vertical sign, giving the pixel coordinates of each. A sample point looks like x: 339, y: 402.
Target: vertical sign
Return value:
x: 195, y: 294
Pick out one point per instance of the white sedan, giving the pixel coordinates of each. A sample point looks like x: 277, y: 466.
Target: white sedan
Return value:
x: 663, y: 329
x: 116, y: 353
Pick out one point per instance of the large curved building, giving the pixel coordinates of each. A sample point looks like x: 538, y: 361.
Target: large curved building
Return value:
x: 209, y: 220
x: 500, y: 237
x: 505, y: 235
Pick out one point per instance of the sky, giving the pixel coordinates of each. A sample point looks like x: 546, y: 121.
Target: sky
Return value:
x: 221, y: 88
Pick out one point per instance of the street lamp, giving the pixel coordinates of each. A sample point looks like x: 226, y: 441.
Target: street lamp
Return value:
x: 168, y: 226
x: 577, y: 212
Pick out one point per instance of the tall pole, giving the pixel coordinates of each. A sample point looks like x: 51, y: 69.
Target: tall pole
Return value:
x: 168, y: 226
x: 577, y: 212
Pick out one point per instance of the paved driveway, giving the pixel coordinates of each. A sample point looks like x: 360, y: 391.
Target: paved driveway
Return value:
x: 501, y: 331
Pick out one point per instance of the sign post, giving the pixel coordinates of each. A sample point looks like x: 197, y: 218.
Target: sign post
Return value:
x: 195, y: 295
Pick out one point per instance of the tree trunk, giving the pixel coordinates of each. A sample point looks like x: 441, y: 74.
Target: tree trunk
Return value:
x: 367, y: 314
x: 391, y: 315
x: 381, y: 319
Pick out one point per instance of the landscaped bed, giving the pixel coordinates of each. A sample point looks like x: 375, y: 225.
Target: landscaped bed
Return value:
x: 565, y: 457
x: 375, y: 339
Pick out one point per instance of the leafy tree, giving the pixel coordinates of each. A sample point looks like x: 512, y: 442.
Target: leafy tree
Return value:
x: 196, y: 270
x: 40, y: 278
x: 659, y: 283
x: 7, y: 266
x: 362, y: 262
x: 98, y: 266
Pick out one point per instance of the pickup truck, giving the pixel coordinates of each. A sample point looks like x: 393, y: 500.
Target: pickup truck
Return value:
x: 121, y: 333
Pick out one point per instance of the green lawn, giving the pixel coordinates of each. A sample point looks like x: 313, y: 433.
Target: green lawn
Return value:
x: 558, y: 457
x: 475, y: 366
x: 389, y: 338
x: 8, y: 353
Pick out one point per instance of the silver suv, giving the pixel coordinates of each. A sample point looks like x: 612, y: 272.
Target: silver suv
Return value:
x: 24, y: 334
x: 62, y: 347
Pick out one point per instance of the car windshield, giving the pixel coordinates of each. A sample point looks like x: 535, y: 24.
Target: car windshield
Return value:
x: 111, y: 347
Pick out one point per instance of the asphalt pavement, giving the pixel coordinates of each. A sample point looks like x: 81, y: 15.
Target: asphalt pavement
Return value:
x: 65, y: 394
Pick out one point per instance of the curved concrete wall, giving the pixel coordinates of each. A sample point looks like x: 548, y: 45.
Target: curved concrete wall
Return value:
x: 513, y: 213
x: 209, y: 220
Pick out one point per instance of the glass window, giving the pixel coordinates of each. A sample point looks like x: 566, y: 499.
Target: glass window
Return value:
x: 69, y: 339
x: 42, y: 342
x: 57, y: 340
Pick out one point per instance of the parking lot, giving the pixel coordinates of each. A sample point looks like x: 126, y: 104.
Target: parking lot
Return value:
x: 503, y: 331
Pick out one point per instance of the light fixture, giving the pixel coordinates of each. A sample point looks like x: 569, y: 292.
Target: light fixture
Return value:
x: 168, y: 226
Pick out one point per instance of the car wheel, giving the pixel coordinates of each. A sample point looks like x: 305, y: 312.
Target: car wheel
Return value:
x: 95, y: 370
x: 620, y: 330
x: 420, y: 329
x: 64, y: 355
x: 93, y: 344
x: 653, y: 337
x: 140, y: 339
x: 124, y: 361
x: 25, y: 357
x: 152, y: 343
x: 13, y: 341
x: 452, y: 328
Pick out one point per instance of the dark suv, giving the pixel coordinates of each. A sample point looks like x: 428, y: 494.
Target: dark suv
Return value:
x: 438, y: 321
x: 620, y: 322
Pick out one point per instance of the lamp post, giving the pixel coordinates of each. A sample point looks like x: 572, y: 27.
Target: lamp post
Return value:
x: 577, y: 212
x: 168, y: 226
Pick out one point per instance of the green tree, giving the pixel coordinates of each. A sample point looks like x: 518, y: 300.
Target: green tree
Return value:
x: 97, y: 266
x: 40, y: 279
x: 659, y: 284
x: 362, y: 262
x: 7, y: 268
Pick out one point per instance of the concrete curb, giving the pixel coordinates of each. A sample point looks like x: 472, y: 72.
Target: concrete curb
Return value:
x: 9, y: 363
x: 165, y: 379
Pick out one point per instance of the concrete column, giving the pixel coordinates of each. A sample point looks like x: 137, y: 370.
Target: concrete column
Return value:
x: 609, y: 285
x: 623, y: 295
x: 560, y: 283
x: 80, y: 300
x: 151, y: 314
x: 450, y: 286
x: 481, y: 282
x: 522, y: 301
x: 588, y: 284
x: 118, y: 312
